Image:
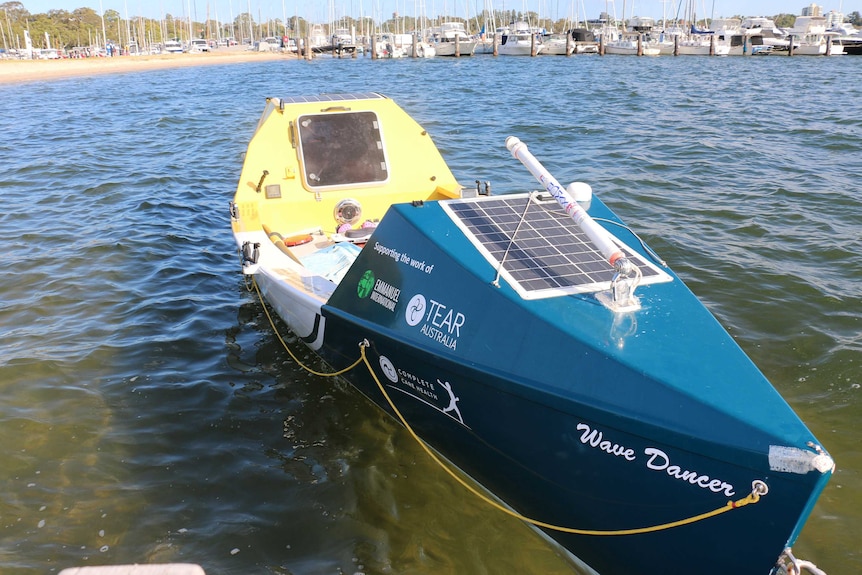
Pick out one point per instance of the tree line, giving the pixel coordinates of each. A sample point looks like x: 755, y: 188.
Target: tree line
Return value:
x: 85, y: 27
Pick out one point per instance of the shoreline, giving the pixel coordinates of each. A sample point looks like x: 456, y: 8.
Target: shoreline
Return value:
x: 22, y: 71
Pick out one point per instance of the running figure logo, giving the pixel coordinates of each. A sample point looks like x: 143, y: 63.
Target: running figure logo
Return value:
x: 453, y: 401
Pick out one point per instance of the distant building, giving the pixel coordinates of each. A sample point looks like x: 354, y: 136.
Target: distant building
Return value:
x: 834, y: 19
x: 812, y: 10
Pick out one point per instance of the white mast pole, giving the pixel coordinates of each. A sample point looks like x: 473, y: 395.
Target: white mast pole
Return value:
x: 104, y: 33
x: 627, y: 274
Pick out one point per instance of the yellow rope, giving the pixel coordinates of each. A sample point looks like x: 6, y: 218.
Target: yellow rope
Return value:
x: 284, y: 343
x: 752, y: 497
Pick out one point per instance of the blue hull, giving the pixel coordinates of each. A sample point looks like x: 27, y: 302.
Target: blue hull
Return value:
x: 574, y: 415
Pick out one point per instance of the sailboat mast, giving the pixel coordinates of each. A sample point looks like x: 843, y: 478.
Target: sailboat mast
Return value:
x: 250, y: 27
x: 191, y: 35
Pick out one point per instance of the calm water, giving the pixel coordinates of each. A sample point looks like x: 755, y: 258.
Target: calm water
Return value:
x: 149, y: 414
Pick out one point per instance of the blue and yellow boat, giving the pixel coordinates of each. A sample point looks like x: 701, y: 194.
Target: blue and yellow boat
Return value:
x: 530, y: 340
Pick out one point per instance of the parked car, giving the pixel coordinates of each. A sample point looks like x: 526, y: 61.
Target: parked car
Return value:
x: 173, y: 47
x: 199, y: 45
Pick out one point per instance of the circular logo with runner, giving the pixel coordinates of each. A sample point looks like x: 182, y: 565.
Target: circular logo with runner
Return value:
x: 388, y: 369
x: 365, y: 285
x: 415, y: 310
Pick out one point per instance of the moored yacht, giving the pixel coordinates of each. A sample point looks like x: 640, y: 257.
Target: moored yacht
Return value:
x: 811, y: 38
x: 702, y: 43
x: 629, y: 45
x: 585, y: 41
x: 558, y: 45
x: 518, y: 39
x: 728, y: 32
x: 389, y: 45
x: 849, y: 37
x: 763, y: 35
x: 451, y: 38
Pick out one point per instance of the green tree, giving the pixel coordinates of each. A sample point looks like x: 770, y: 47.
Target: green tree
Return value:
x: 85, y: 27
x: 15, y: 11
x: 244, y: 24
x: 784, y: 20
x: 14, y: 23
x: 113, y: 24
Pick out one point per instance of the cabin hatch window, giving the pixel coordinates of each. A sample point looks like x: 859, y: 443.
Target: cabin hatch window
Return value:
x: 342, y: 149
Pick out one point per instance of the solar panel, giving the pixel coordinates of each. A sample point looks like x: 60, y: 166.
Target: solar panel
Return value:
x: 331, y: 97
x: 544, y: 253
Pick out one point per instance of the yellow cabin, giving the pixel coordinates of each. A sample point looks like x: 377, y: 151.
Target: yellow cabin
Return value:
x: 333, y: 164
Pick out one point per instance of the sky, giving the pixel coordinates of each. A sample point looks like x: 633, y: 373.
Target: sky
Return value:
x: 318, y: 10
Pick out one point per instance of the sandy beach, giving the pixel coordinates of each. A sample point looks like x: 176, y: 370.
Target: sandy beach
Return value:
x: 17, y: 71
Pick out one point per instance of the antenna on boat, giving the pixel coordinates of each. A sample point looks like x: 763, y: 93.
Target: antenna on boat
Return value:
x: 627, y: 275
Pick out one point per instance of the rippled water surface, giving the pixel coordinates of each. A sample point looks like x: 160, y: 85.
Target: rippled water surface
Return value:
x: 150, y: 414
